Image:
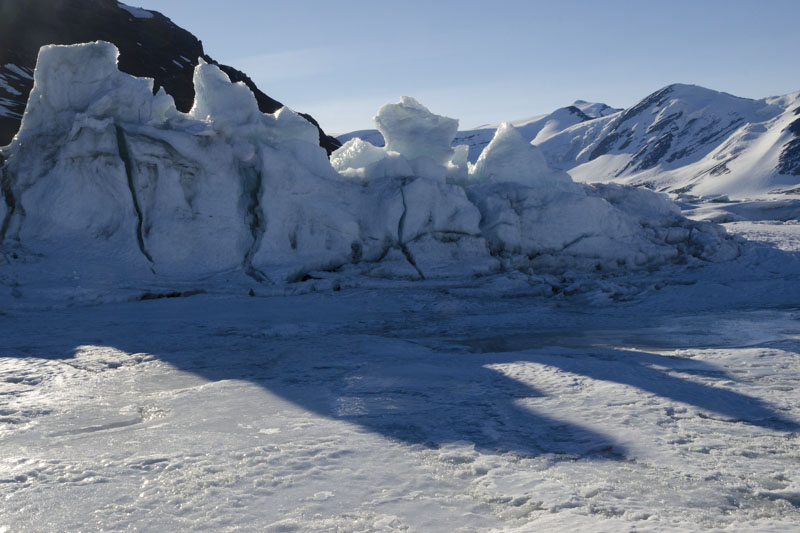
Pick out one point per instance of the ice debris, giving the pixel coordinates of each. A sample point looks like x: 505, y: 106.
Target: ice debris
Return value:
x: 107, y: 181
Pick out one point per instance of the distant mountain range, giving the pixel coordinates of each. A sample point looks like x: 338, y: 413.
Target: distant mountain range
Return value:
x: 685, y: 138
x: 680, y: 139
x: 150, y: 45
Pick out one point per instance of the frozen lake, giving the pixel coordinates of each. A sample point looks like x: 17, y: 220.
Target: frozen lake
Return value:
x: 421, y: 409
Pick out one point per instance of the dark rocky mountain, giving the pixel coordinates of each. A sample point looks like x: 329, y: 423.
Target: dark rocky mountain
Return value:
x: 150, y: 45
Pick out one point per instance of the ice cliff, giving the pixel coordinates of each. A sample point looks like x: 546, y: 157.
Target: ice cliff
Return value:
x: 106, y: 181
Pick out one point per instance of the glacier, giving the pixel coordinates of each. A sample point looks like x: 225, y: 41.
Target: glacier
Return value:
x: 109, y: 184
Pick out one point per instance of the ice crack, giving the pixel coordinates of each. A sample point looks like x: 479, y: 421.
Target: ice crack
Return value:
x: 400, y: 241
x: 577, y: 239
x: 8, y: 198
x: 124, y: 154
x: 252, y: 185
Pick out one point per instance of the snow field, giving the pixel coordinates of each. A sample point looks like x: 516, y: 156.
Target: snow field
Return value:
x: 410, y: 410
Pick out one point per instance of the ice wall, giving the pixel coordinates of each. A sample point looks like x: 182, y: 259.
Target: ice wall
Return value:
x: 106, y: 179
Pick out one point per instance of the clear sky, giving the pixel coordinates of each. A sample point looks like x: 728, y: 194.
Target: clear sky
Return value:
x: 487, y: 61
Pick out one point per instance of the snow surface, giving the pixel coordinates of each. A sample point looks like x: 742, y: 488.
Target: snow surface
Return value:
x: 594, y: 109
x: 413, y: 408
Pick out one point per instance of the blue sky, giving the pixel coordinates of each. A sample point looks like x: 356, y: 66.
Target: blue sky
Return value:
x: 484, y: 62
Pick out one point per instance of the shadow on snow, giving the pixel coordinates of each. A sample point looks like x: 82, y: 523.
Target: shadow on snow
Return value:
x: 368, y: 374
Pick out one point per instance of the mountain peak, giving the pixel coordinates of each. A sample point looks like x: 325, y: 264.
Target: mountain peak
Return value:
x: 694, y: 93
x: 594, y: 109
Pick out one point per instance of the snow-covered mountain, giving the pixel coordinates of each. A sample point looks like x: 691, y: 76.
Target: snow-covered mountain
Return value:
x: 150, y: 45
x: 680, y: 139
x: 686, y: 138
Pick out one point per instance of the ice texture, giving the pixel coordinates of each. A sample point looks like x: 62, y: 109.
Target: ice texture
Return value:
x: 72, y: 83
x: 412, y: 130
x: 510, y: 158
x: 418, y: 143
x: 359, y: 159
x: 107, y: 181
x: 232, y: 110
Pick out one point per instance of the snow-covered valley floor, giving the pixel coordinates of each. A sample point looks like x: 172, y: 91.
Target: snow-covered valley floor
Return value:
x: 415, y: 407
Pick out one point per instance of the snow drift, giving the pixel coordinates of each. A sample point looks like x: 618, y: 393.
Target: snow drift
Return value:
x: 109, y: 181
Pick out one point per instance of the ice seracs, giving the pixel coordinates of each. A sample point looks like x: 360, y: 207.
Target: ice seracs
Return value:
x: 509, y: 158
x: 536, y: 218
x: 422, y: 137
x: 82, y: 81
x: 418, y: 143
x: 106, y: 180
x: 359, y: 159
x: 231, y: 110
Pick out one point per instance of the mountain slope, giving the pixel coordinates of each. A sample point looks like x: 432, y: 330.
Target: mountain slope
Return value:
x: 685, y: 138
x: 150, y: 45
